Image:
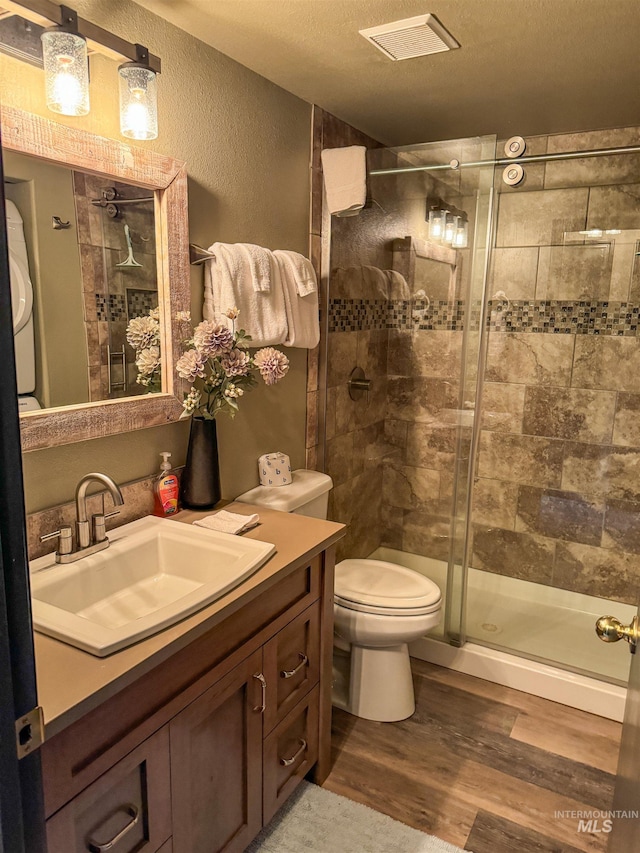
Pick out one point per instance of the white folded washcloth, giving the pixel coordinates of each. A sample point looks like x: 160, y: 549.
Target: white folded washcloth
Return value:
x: 345, y: 179
x: 229, y: 522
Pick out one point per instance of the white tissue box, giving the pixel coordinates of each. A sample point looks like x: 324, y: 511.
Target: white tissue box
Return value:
x: 275, y: 469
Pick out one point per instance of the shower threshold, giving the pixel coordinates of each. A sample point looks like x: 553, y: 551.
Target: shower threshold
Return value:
x: 530, y: 637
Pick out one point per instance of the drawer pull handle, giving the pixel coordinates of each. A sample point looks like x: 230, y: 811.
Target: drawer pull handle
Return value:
x: 263, y: 684
x: 287, y: 762
x: 134, y: 814
x: 289, y: 673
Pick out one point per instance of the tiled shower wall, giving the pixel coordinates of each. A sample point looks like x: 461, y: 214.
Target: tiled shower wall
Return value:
x: 557, y: 499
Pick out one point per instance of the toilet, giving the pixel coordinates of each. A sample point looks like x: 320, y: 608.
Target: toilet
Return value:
x: 379, y: 608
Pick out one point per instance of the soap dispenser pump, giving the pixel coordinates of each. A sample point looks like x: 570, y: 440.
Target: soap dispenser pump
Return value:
x: 165, y: 489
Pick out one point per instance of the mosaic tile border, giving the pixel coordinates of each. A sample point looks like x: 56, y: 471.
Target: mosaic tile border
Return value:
x: 111, y: 307
x: 584, y: 317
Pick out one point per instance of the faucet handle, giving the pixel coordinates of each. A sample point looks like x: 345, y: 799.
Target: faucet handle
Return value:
x: 99, y: 527
x: 65, y: 539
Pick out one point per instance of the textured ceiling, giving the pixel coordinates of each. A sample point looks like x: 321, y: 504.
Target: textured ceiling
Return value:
x: 528, y: 67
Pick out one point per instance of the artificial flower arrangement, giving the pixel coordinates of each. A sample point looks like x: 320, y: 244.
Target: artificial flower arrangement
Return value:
x: 143, y: 334
x: 220, y: 369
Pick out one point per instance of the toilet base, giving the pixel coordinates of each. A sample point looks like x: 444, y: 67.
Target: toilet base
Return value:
x: 380, y: 684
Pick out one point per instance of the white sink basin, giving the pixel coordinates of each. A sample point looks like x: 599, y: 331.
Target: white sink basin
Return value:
x: 154, y: 573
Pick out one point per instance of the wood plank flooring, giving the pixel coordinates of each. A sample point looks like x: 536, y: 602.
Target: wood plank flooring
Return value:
x: 482, y: 766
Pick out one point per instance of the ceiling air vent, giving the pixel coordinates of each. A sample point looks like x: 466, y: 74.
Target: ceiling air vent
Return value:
x: 412, y: 37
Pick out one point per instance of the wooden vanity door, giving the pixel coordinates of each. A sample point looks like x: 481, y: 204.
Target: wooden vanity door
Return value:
x: 216, y: 765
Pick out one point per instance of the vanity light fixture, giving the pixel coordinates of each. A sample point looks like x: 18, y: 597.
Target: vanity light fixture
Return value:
x: 138, y: 97
x: 66, y: 66
x: 447, y: 224
x: 65, y: 49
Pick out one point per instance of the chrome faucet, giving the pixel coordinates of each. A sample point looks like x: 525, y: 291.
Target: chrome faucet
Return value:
x: 91, y: 536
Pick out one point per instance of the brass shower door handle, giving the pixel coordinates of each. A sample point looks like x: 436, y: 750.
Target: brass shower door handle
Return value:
x: 610, y: 630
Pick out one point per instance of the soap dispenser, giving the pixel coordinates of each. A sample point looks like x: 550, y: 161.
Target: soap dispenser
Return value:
x: 165, y: 489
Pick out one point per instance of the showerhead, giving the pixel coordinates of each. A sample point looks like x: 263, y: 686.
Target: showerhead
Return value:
x: 129, y: 261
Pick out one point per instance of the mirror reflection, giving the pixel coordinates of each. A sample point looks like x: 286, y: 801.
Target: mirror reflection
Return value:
x: 82, y: 251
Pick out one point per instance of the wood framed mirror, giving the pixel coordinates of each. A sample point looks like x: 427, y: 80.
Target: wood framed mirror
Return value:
x: 136, y: 172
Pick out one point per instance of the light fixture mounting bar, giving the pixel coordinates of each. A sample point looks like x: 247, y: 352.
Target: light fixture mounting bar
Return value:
x: 47, y: 12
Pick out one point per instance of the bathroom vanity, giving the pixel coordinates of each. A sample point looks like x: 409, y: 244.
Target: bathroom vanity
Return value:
x: 191, y: 739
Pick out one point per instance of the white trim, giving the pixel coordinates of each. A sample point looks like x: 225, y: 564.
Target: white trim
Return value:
x: 538, y: 679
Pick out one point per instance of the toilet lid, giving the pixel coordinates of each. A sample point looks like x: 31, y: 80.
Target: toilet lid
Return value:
x: 381, y: 587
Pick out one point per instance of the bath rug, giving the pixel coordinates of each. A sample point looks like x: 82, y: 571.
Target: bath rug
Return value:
x: 317, y: 821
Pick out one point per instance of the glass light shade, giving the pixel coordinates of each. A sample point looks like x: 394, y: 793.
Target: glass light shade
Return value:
x: 461, y: 239
x: 138, y: 102
x: 436, y: 224
x: 450, y: 228
x: 66, y: 72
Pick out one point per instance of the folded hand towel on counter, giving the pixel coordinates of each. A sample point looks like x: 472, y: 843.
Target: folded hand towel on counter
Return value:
x: 303, y: 319
x: 229, y: 522
x: 232, y: 280
x: 345, y: 179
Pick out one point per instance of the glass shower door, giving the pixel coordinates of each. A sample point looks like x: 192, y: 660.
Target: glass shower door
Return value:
x: 556, y: 495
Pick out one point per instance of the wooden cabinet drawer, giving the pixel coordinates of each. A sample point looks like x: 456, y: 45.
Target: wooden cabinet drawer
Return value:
x: 131, y: 803
x: 289, y: 753
x: 291, y: 665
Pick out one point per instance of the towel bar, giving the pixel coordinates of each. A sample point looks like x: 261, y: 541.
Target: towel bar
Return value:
x: 198, y: 255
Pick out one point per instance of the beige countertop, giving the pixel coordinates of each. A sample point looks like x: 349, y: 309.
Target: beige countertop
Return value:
x: 72, y: 682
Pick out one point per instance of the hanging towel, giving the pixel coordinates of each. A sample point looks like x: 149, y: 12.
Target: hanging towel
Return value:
x: 298, y: 278
x: 302, y: 270
x: 231, y: 280
x: 376, y: 283
x: 398, y: 287
x: 345, y: 179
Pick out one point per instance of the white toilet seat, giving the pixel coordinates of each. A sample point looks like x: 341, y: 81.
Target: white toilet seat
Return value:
x: 384, y: 589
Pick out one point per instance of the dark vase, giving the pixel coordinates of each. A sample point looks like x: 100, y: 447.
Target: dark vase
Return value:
x: 200, y: 482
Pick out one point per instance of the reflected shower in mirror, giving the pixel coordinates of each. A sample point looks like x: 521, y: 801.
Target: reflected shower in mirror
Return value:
x: 83, y: 265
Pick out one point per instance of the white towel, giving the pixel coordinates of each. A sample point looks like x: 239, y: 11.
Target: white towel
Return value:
x: 398, y: 287
x: 229, y: 522
x: 302, y: 270
x: 376, y: 283
x: 345, y: 179
x: 231, y: 280
x: 303, y: 318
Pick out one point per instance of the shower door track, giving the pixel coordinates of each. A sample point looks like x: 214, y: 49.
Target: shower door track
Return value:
x: 506, y: 161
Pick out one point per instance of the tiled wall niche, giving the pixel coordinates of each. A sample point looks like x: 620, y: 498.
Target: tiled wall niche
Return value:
x: 556, y: 496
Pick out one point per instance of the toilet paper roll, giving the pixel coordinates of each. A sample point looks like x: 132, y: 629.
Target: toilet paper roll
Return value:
x: 275, y: 469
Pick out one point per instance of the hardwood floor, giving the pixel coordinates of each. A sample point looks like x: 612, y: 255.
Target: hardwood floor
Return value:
x: 482, y: 766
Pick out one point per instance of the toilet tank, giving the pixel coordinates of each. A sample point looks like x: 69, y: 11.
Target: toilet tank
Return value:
x: 308, y: 494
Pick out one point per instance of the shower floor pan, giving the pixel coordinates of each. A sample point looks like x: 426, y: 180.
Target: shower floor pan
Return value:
x: 541, y: 640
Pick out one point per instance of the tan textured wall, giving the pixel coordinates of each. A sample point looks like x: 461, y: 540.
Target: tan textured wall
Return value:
x: 246, y: 145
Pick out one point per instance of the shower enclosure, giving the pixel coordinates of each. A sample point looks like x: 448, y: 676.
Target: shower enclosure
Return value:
x: 498, y: 447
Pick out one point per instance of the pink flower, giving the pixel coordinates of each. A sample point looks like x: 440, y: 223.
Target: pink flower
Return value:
x: 272, y: 364
x: 236, y: 363
x: 190, y: 365
x: 211, y: 339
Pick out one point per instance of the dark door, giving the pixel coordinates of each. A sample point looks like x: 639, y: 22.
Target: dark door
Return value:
x: 21, y: 804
